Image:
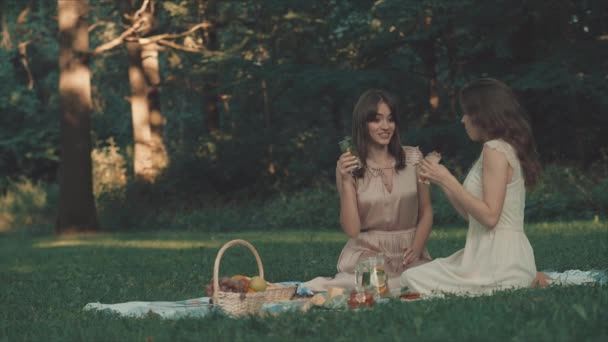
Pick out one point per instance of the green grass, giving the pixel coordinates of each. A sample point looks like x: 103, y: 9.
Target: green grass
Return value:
x: 46, y: 281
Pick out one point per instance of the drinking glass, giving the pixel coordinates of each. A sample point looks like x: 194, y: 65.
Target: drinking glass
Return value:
x: 363, y: 274
x: 378, y: 276
x: 347, y: 144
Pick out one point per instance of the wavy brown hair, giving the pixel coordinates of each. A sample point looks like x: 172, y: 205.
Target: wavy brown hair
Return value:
x: 365, y: 111
x: 494, y: 108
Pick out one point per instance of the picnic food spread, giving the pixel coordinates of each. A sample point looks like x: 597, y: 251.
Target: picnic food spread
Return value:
x: 243, y: 295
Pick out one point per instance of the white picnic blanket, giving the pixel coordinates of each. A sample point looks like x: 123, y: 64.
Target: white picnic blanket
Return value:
x: 201, y: 307
x: 196, y: 307
x: 576, y: 277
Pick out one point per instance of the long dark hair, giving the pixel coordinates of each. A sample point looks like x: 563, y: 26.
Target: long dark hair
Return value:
x: 365, y: 111
x: 494, y: 108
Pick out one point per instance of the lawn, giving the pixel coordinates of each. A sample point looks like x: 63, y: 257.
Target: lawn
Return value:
x: 46, y: 281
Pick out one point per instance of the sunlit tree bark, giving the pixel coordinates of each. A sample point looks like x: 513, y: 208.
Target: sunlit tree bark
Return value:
x: 150, y: 155
x: 151, y: 68
x: 140, y: 115
x: 6, y: 35
x: 77, y: 210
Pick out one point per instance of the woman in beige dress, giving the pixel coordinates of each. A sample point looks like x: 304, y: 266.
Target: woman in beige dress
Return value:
x: 497, y: 254
x: 383, y: 208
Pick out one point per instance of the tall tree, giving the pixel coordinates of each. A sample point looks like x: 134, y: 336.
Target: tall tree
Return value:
x: 159, y: 157
x: 77, y: 210
x: 150, y: 154
x: 208, y: 11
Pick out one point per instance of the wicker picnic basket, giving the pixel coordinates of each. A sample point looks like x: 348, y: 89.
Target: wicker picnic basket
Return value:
x: 246, y: 303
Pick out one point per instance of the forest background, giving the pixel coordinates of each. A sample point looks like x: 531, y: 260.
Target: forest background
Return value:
x: 226, y: 115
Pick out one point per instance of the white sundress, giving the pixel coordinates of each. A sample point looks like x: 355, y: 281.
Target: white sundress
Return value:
x: 492, y: 259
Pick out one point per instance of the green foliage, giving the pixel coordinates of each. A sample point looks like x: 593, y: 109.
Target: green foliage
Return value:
x: 28, y: 125
x: 109, y: 169
x: 288, y: 74
x: 566, y: 192
x: 563, y: 193
x: 27, y: 205
x: 310, y: 209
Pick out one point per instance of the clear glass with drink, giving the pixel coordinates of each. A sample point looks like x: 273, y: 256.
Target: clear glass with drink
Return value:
x: 379, y: 277
x: 347, y: 145
x: 370, y: 274
x: 363, y: 274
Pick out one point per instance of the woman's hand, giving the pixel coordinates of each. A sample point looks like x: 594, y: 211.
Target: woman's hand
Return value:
x: 347, y: 164
x: 411, y: 255
x: 434, y: 172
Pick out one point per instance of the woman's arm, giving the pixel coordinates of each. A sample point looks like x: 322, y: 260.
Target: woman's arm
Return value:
x: 450, y: 196
x: 425, y: 222
x: 495, y: 176
x: 349, y: 210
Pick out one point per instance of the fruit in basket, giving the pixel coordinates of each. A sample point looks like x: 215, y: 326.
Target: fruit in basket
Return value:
x: 228, y: 284
x: 258, y: 284
x: 244, y: 279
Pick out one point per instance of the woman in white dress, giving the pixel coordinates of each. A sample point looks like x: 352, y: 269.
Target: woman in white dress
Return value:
x: 497, y: 254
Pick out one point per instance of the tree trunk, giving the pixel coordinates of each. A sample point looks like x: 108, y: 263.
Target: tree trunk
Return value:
x: 209, y: 99
x: 6, y: 34
x: 429, y: 59
x: 210, y: 96
x: 430, y: 63
x: 140, y: 115
x: 150, y: 154
x: 454, y: 66
x: 76, y: 203
x: 160, y: 160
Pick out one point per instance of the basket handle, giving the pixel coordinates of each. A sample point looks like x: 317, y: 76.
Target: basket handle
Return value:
x: 220, y: 253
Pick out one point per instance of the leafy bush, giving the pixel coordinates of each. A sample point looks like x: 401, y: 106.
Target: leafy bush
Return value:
x: 26, y: 204
x: 564, y: 192
x: 109, y: 168
x: 315, y: 208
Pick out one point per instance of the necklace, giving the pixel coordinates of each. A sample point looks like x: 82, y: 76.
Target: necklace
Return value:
x: 379, y: 172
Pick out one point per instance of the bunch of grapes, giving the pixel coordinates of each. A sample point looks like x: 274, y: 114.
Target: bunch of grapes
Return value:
x: 227, y: 284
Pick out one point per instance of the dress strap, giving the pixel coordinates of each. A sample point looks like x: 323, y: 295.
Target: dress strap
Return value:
x: 506, y: 149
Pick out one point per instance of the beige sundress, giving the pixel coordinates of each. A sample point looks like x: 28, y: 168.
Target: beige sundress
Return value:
x: 388, y: 224
x: 492, y: 259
